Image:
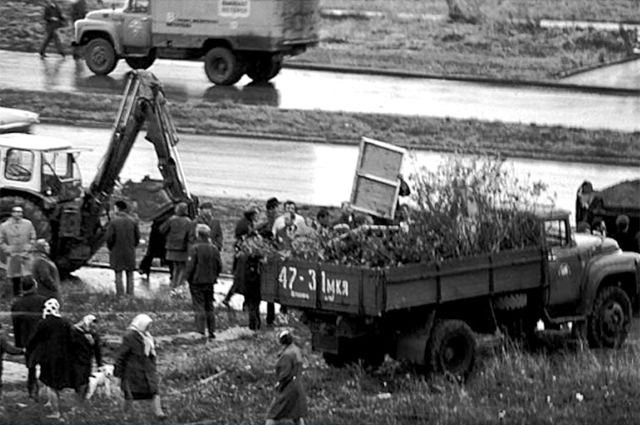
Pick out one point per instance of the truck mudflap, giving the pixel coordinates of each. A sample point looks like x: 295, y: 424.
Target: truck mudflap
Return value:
x: 327, y: 287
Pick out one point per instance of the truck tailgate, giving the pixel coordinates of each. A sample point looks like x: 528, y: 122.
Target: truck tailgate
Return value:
x: 304, y: 284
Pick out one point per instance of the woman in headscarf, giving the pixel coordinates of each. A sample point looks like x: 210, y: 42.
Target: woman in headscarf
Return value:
x: 50, y: 348
x: 136, y: 366
x: 290, y: 399
x: 86, y: 345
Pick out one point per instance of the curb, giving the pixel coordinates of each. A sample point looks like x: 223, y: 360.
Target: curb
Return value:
x: 480, y: 80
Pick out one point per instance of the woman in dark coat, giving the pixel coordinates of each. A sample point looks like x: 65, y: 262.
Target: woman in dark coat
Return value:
x: 50, y: 347
x: 45, y: 271
x: 86, y: 345
x: 136, y: 366
x: 176, y: 231
x: 290, y: 399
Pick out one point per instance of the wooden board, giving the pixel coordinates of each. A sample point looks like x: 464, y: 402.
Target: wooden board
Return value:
x: 376, y: 184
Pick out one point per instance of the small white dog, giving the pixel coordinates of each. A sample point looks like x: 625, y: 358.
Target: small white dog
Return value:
x: 100, y: 382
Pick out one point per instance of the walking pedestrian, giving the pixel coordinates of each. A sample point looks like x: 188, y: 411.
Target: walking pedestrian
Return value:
x: 203, y: 268
x: 155, y: 249
x: 205, y: 216
x: 6, y: 347
x: 17, y: 236
x: 290, y: 399
x: 85, y: 343
x: 26, y: 313
x: 45, y: 272
x: 78, y: 10
x: 50, y: 347
x: 136, y: 366
x: 53, y: 21
x: 176, y: 232
x: 122, y: 237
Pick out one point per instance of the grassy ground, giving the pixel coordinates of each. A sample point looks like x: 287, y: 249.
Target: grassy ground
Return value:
x: 472, y: 136
x: 562, y: 386
x: 506, y: 43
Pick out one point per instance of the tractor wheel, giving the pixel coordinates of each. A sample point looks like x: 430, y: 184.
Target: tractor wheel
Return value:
x: 264, y: 68
x: 142, y: 62
x: 609, y: 322
x: 223, y: 67
x: 451, y: 349
x: 100, y: 56
x: 32, y: 212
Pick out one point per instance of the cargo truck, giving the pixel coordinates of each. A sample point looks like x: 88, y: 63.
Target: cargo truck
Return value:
x: 234, y: 37
x: 430, y: 314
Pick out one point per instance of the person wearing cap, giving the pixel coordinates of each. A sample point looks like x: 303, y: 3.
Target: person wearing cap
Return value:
x: 122, y: 238
x: 26, y: 313
x: 45, y: 272
x: 203, y: 267
x: 176, y: 231
x: 50, y: 347
x: 290, y: 399
x: 85, y: 346
x: 205, y: 216
x: 17, y: 236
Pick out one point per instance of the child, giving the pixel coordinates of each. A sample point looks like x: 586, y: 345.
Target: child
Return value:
x: 6, y: 347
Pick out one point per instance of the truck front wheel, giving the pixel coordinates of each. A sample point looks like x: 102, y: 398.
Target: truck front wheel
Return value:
x: 223, y: 67
x: 100, y: 56
x: 610, y: 319
x: 451, y: 349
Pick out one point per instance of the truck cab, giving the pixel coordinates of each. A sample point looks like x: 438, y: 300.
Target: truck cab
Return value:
x: 234, y: 37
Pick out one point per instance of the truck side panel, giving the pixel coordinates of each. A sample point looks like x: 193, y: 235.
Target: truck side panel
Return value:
x: 247, y: 24
x: 463, y: 278
x: 305, y: 284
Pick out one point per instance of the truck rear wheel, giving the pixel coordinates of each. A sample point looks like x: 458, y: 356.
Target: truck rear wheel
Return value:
x: 451, y: 349
x: 100, y: 56
x: 142, y: 62
x: 610, y: 319
x: 264, y: 68
x: 223, y: 67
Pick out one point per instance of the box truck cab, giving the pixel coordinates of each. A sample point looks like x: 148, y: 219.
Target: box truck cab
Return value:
x: 235, y: 37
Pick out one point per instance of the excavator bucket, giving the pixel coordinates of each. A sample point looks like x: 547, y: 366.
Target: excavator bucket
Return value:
x: 148, y: 197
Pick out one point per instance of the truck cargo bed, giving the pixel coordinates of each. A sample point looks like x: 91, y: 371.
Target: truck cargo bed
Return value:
x: 372, y: 292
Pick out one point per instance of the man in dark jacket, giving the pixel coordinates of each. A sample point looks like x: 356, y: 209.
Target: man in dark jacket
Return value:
x: 203, y: 268
x: 26, y: 313
x: 205, y: 216
x: 45, y: 272
x: 53, y: 21
x: 122, y: 237
x: 245, y: 227
x: 176, y: 231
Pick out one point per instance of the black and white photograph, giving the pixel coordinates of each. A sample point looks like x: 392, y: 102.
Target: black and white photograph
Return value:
x: 399, y: 212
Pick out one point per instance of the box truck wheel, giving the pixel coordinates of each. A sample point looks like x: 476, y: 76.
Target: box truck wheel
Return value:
x: 100, y: 56
x: 142, y: 62
x: 610, y: 319
x: 223, y: 67
x: 264, y: 68
x: 451, y: 349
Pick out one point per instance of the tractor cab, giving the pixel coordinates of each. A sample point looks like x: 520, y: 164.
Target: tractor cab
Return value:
x: 42, y: 166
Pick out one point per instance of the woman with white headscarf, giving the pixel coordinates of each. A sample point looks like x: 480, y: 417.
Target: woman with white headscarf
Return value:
x: 49, y: 347
x: 86, y: 346
x: 136, y: 366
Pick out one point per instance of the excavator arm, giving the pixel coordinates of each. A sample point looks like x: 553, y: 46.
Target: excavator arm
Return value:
x: 80, y: 227
x: 143, y: 102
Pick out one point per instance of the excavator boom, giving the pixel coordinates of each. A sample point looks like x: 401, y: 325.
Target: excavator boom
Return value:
x: 143, y: 102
